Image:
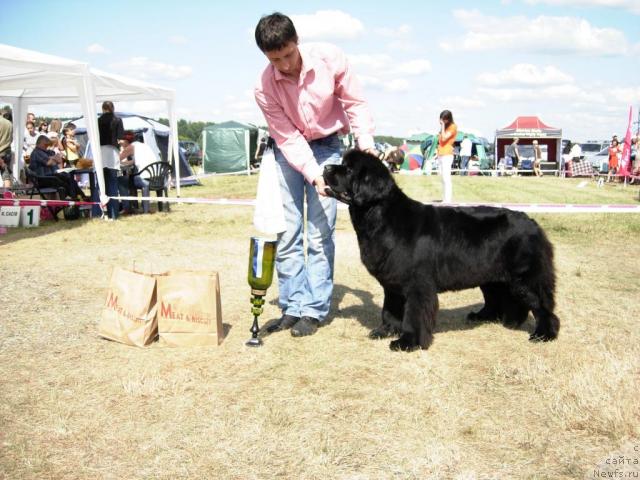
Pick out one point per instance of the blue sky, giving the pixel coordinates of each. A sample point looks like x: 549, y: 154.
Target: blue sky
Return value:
x: 574, y: 63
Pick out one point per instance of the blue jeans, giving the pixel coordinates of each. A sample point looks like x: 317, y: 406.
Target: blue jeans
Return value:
x: 111, y: 186
x: 464, y: 164
x: 306, y: 286
x: 141, y: 184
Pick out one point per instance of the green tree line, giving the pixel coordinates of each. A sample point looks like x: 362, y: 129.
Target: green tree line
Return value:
x: 188, y: 130
x: 192, y: 130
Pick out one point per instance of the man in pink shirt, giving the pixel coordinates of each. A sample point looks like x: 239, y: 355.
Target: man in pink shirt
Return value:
x: 308, y: 95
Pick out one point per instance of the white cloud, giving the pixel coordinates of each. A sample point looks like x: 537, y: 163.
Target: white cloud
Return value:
x: 327, y: 25
x: 413, y: 67
x: 385, y: 65
x: 458, y: 102
x: 96, y: 48
x: 400, y: 31
x: 396, y: 85
x: 382, y: 72
x: 525, y: 74
x: 568, y: 94
x: 626, y: 95
x: 632, y: 6
x: 178, y: 40
x: 542, y: 34
x: 145, y: 68
x: 152, y: 108
x: 241, y: 106
x: 402, y: 45
x: 375, y: 62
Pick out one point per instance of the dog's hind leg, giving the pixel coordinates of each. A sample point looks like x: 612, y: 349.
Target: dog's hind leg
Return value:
x: 492, y: 309
x: 418, y: 321
x: 392, y: 313
x: 547, y: 323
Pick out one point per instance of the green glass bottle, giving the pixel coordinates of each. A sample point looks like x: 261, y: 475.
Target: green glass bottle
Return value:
x: 262, y: 256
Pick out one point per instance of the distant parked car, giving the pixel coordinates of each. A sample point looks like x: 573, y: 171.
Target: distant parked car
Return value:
x: 592, y: 148
x: 192, y: 151
x: 599, y: 160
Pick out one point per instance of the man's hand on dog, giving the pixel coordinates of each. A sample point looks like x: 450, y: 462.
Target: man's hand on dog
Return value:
x: 321, y: 187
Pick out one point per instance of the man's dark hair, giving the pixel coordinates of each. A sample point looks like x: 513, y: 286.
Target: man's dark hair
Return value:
x: 274, y: 31
x: 43, y: 140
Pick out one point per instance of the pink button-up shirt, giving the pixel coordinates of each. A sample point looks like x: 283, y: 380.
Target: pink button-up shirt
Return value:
x: 326, y: 99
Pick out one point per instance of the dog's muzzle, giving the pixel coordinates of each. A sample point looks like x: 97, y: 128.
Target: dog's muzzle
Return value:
x: 341, y: 196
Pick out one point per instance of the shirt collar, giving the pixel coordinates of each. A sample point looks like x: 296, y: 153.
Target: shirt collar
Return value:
x: 307, y: 66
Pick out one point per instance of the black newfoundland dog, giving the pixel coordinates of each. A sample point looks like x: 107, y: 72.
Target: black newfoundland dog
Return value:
x: 416, y: 250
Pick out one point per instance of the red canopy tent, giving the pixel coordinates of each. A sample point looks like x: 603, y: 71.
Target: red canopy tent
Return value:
x: 528, y: 129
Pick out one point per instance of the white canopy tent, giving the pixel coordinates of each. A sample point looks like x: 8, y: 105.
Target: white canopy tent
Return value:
x: 32, y: 78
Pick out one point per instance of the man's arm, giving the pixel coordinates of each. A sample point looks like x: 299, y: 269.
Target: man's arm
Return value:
x: 126, y: 152
x: 288, y: 138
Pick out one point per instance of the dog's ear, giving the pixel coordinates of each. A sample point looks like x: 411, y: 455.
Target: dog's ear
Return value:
x: 371, y: 181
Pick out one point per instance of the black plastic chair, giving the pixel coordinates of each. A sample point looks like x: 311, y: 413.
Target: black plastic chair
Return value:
x: 159, y: 178
x: 33, y: 179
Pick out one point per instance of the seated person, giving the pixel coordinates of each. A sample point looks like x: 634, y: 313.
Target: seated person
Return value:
x: 394, y: 158
x: 137, y: 154
x: 44, y: 165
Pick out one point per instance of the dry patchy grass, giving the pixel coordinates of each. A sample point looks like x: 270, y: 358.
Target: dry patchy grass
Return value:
x: 482, y: 402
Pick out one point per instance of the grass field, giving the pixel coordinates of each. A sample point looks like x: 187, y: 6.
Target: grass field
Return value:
x: 481, y: 403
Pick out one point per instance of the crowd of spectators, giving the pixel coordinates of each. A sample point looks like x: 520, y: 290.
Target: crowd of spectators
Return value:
x: 51, y: 153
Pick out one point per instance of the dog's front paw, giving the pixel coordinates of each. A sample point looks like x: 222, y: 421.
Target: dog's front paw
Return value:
x: 406, y: 343
x: 383, y: 331
x: 542, y: 337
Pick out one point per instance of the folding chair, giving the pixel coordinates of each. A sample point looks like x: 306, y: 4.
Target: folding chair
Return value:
x: 32, y: 178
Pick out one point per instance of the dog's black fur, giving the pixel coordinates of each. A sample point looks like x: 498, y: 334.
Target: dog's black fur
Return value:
x: 416, y: 251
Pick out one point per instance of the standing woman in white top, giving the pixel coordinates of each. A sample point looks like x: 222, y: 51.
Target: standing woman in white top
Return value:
x: 111, y: 130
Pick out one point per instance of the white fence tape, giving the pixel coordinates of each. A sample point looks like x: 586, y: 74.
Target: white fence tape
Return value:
x: 522, y: 207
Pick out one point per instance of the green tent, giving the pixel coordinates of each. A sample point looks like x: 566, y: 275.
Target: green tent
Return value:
x: 419, y: 137
x: 430, y: 145
x: 228, y: 147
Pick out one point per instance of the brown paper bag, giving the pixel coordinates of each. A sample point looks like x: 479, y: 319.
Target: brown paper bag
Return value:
x: 129, y: 312
x: 189, y: 309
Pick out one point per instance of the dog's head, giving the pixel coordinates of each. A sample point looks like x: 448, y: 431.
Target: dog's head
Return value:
x: 360, y: 180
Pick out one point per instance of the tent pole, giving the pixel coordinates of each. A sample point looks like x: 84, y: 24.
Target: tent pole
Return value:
x: 173, y: 141
x: 88, y: 103
x: 204, y: 150
x: 247, y: 145
x: 19, y: 123
x: 495, y: 154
